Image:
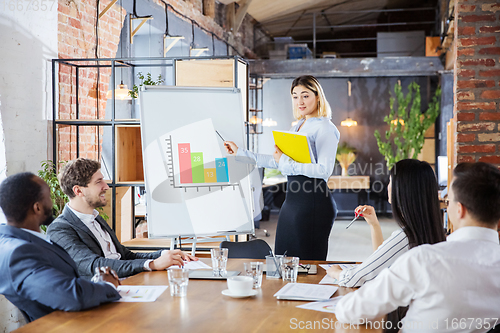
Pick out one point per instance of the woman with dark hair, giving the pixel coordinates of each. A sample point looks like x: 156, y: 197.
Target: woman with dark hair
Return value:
x: 413, y: 195
x: 307, y: 215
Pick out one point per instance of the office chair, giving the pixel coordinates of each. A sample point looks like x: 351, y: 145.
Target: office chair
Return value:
x: 254, y: 249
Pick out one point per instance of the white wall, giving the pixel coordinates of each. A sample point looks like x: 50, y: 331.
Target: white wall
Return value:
x: 278, y: 106
x: 27, y: 43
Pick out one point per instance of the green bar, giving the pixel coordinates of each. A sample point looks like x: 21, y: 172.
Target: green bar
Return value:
x: 197, y: 167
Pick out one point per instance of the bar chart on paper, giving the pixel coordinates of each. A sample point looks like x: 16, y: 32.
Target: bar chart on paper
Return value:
x: 195, y: 158
x: 192, y: 169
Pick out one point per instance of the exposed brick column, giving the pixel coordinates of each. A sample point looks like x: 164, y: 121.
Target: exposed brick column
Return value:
x: 76, y: 35
x: 477, y: 81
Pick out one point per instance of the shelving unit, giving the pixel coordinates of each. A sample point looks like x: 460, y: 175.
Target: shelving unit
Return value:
x: 119, y: 137
x: 255, y: 114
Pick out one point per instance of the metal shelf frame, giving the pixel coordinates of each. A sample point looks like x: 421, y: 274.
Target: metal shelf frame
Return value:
x: 114, y: 64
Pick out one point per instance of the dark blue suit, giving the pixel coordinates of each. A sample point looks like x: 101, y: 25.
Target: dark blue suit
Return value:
x: 39, y: 277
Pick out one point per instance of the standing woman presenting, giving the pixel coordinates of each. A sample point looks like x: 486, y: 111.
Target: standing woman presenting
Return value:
x: 307, y: 215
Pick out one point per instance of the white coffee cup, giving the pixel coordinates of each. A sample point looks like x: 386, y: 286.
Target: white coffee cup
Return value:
x: 240, y: 285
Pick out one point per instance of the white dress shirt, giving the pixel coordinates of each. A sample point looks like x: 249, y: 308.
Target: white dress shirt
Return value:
x: 45, y: 237
x: 323, y: 139
x: 104, y: 239
x: 385, y: 255
x: 452, y: 286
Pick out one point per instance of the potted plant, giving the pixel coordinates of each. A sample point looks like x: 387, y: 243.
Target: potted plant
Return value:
x: 346, y: 156
x: 49, y: 174
x: 145, y: 80
x: 407, y: 124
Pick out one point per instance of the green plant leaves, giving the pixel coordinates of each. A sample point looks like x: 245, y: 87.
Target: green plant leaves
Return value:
x: 407, y: 124
x: 145, y: 80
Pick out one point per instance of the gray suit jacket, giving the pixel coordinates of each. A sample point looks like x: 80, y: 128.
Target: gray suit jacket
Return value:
x: 69, y: 232
x: 39, y: 277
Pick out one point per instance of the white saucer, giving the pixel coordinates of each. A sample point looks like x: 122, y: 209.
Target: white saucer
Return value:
x: 228, y: 293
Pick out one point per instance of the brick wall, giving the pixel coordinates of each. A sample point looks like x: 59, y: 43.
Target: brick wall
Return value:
x: 77, y: 39
x: 477, y: 81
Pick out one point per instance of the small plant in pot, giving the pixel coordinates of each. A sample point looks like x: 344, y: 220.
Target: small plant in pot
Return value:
x: 345, y: 156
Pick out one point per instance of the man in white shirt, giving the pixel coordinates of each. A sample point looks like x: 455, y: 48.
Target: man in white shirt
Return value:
x: 452, y: 286
x: 36, y: 275
x: 87, y: 237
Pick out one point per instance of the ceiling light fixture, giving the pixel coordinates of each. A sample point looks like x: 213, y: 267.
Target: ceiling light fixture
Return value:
x: 269, y: 122
x: 349, y: 122
x: 121, y: 92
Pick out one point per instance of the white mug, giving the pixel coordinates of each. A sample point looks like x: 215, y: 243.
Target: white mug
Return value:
x: 240, y: 285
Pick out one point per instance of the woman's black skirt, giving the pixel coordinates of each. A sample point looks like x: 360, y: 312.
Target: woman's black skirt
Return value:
x: 306, y: 219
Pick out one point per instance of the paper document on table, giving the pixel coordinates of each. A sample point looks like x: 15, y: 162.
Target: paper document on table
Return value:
x: 196, y: 265
x: 343, y: 266
x: 329, y: 280
x: 140, y: 293
x: 324, y: 306
x: 306, y: 292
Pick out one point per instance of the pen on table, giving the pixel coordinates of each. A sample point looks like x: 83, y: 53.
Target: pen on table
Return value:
x: 356, y: 215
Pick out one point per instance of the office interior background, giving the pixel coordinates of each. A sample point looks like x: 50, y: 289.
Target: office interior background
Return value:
x: 359, y: 50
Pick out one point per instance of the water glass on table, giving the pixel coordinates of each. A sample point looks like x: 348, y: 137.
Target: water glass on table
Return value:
x: 219, y: 261
x: 255, y: 269
x: 178, y: 279
x: 289, y: 268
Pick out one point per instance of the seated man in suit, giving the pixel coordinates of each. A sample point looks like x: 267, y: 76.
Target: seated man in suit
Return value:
x: 36, y: 275
x: 87, y: 237
x: 451, y: 286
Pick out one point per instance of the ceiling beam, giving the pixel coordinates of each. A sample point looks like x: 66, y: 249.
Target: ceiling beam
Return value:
x: 240, y: 13
x: 347, y: 67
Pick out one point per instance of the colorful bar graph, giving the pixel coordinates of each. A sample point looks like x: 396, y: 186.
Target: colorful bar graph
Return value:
x: 221, y: 168
x: 210, y: 175
x: 185, y: 163
x: 194, y: 171
x: 197, y: 168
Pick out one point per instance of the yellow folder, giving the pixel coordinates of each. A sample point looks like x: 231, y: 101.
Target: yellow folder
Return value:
x: 294, y: 145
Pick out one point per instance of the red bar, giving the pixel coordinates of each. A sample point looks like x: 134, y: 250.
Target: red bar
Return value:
x: 185, y: 163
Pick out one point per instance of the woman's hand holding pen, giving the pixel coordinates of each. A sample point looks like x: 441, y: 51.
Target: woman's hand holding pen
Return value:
x: 368, y: 214
x: 277, y: 154
x: 231, y: 147
x: 334, y: 271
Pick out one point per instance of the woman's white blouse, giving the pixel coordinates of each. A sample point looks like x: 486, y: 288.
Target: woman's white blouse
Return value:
x: 386, y: 254
x: 323, y: 137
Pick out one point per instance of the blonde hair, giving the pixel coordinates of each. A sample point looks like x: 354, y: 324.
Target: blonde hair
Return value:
x: 311, y: 83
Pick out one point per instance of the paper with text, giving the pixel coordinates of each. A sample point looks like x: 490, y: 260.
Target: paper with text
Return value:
x: 140, y: 293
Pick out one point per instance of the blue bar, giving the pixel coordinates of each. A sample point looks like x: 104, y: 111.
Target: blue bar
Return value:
x: 221, y: 170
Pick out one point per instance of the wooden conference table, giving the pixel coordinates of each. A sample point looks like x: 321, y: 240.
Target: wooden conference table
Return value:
x: 204, y: 309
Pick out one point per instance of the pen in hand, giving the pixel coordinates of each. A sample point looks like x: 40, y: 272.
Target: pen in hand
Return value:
x: 228, y: 147
x: 356, y: 215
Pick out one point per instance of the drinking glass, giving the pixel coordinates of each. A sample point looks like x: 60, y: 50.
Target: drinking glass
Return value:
x: 178, y: 279
x: 219, y: 261
x: 255, y: 269
x: 289, y: 268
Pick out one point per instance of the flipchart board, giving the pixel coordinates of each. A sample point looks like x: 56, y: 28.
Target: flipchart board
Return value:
x: 193, y: 187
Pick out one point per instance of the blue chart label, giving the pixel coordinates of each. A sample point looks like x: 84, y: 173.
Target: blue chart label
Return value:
x: 221, y: 170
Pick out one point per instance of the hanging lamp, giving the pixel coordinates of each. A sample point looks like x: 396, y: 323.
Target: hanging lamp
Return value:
x: 348, y: 122
x: 121, y: 92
